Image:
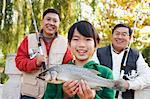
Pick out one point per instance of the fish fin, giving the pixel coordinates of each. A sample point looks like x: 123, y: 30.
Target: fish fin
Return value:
x: 95, y: 71
x: 56, y: 81
x: 97, y: 88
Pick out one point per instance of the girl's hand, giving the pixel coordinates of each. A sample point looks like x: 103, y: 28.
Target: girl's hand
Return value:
x: 70, y: 88
x: 84, y: 91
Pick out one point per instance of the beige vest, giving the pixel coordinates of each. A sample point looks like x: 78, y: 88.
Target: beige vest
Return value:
x: 31, y: 85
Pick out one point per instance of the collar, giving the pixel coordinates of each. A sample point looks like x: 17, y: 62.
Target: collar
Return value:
x: 115, y: 51
x: 90, y: 64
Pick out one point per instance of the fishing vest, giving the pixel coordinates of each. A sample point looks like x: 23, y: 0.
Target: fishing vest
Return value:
x: 31, y: 85
x: 105, y: 58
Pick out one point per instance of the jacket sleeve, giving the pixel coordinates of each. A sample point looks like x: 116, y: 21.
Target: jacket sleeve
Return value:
x: 23, y: 62
x: 106, y: 93
x: 67, y: 57
x: 143, y: 72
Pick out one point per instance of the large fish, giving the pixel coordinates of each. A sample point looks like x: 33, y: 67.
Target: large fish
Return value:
x: 61, y: 73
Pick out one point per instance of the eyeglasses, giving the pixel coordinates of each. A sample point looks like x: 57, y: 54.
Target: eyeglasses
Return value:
x: 123, y: 34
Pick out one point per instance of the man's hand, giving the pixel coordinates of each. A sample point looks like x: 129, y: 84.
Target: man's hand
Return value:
x: 121, y: 85
x: 39, y: 60
x: 84, y: 91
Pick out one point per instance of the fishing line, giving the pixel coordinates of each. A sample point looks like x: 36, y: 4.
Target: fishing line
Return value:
x: 134, y: 27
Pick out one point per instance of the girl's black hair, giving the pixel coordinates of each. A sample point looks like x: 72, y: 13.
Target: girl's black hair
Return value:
x: 51, y: 10
x: 84, y: 28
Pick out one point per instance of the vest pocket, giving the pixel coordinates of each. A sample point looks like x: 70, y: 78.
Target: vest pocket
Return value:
x: 30, y: 85
x: 30, y: 89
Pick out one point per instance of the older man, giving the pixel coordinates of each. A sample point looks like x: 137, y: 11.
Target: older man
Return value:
x: 136, y: 72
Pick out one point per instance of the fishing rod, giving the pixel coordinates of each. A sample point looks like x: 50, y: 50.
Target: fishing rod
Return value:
x: 38, y: 36
x: 126, y: 53
x: 33, y: 17
x: 78, y: 2
x: 134, y: 27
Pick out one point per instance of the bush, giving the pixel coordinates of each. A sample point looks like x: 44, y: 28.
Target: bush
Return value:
x: 3, y: 76
x: 146, y: 54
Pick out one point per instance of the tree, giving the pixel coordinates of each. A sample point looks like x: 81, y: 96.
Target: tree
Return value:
x: 7, y: 41
x: 107, y: 13
x: 104, y: 15
x: 67, y: 9
x: 146, y: 54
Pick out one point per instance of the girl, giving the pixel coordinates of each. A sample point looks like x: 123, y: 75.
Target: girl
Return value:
x: 82, y: 40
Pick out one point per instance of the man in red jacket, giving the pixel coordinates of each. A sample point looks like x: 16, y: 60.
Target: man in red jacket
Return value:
x: 29, y: 59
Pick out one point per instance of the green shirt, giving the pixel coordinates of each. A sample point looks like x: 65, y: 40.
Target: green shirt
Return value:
x: 54, y: 91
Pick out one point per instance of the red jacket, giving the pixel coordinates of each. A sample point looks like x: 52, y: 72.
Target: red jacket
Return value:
x: 23, y: 61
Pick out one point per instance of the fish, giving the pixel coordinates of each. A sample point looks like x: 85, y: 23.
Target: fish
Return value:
x: 58, y: 74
